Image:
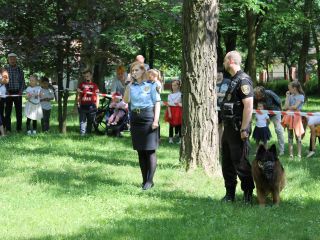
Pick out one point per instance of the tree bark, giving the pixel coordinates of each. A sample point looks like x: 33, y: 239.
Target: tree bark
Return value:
x: 59, y: 60
x: 200, y: 128
x: 252, y: 44
x: 151, y: 50
x: 305, y: 41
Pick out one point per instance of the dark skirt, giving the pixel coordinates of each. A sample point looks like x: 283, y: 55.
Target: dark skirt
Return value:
x: 143, y: 137
x: 262, y: 134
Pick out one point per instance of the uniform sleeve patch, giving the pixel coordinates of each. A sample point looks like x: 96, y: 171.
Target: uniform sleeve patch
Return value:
x: 245, y: 89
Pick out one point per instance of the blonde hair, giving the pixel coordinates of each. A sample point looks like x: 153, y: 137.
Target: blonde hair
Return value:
x: 155, y: 72
x: 2, y: 70
x: 34, y: 76
x: 141, y: 66
x: 297, y: 85
x: 235, y: 56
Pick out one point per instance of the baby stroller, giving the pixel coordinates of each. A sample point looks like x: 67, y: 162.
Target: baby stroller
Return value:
x: 122, y: 125
x: 102, y: 117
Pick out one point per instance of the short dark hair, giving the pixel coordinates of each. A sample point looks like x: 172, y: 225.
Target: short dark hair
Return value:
x: 44, y: 79
x: 86, y: 71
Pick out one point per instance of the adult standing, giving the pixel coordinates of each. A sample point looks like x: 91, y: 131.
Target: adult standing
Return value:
x: 272, y: 102
x: 15, y: 87
x: 237, y: 111
x: 144, y: 100
x: 119, y: 83
x: 222, y: 87
x: 141, y: 59
x: 4, y: 79
x: 88, y: 102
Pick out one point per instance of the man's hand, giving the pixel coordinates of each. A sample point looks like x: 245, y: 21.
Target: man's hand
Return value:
x: 244, y: 135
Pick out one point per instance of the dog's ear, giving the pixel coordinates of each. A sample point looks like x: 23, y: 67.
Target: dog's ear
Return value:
x: 261, y: 151
x: 273, y: 150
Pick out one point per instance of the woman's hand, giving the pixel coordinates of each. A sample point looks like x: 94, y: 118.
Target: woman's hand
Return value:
x: 288, y: 93
x: 155, y: 125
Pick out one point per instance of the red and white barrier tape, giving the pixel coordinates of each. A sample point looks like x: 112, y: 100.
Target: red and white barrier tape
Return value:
x: 271, y: 112
x: 287, y: 113
x: 167, y: 104
x: 284, y: 113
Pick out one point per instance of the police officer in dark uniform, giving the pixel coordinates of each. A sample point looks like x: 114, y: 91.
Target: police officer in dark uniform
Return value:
x: 237, y: 111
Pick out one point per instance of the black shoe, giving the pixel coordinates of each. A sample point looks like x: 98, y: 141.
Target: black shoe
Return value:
x: 148, y: 185
x: 247, y: 198
x: 228, y: 198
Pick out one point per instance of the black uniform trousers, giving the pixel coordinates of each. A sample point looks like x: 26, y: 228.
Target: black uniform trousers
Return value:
x: 234, y: 162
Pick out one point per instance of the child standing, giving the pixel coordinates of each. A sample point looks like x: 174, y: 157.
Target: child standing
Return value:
x: 33, y: 108
x: 4, y: 79
x: 173, y: 113
x: 294, y: 102
x: 46, y: 96
x: 154, y: 76
x: 261, y: 132
x: 120, y: 109
x: 88, y: 102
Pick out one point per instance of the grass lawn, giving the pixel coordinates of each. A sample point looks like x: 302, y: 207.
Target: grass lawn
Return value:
x: 57, y: 186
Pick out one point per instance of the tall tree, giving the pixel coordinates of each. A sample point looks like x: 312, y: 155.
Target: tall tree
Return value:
x: 200, y: 128
x: 306, y: 31
x: 255, y: 14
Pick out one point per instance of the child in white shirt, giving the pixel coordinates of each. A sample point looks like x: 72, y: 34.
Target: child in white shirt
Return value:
x: 261, y: 132
x: 33, y: 108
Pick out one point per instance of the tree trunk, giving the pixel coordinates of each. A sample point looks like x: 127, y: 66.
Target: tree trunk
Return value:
x: 316, y: 45
x: 200, y: 128
x: 59, y: 61
x: 252, y: 44
x: 285, y: 75
x: 220, y: 53
x: 59, y: 66
x: 66, y: 92
x: 151, y: 50
x: 305, y: 42
x: 230, y: 37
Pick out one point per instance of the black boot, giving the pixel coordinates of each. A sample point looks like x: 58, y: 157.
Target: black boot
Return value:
x: 230, y: 195
x: 247, y: 197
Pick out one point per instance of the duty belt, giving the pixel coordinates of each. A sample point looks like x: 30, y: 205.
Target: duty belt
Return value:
x: 142, y: 110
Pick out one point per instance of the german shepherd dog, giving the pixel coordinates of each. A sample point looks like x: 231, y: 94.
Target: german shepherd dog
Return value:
x: 268, y: 174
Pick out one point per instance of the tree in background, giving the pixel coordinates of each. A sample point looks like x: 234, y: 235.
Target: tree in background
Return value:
x: 306, y: 31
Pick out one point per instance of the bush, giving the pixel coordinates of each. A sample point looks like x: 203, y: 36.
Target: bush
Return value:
x: 311, y: 86
x: 280, y: 87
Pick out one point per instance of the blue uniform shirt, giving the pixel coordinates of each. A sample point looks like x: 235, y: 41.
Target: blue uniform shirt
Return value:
x: 143, y: 95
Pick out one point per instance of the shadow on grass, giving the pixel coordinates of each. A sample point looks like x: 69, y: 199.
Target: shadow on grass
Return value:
x: 73, y: 182
x: 104, y: 155
x: 189, y: 217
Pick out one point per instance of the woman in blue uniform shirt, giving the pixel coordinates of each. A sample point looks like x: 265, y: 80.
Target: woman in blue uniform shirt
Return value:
x: 144, y: 101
